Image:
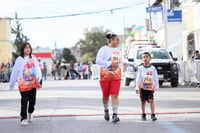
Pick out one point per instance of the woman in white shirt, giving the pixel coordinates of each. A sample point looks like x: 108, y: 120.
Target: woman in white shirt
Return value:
x: 110, y: 59
x: 28, y: 74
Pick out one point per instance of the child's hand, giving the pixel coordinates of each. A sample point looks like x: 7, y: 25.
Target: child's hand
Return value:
x: 125, y: 65
x: 114, y: 65
x: 38, y: 79
x: 137, y: 91
x: 11, y: 87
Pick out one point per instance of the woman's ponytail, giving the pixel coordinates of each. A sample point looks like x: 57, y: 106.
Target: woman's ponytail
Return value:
x: 110, y: 36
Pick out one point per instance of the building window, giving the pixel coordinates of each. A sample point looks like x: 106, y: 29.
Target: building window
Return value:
x: 174, y: 4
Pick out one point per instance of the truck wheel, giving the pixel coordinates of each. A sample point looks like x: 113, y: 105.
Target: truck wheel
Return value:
x: 127, y: 81
x: 174, y: 84
x: 160, y: 83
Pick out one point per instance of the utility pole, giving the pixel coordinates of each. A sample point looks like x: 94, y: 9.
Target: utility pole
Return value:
x: 124, y: 28
x: 150, y: 20
x: 56, y: 51
x: 165, y: 24
x: 150, y: 32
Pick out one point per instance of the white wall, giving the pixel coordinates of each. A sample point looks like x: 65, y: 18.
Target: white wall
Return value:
x: 197, y: 39
x: 175, y: 39
x: 174, y: 36
x: 5, y: 40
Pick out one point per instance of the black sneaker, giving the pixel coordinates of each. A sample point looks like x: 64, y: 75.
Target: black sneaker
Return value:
x: 115, y: 118
x: 144, y: 117
x: 153, y: 117
x: 106, y: 115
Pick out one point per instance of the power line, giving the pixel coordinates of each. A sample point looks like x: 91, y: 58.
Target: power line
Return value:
x: 77, y: 14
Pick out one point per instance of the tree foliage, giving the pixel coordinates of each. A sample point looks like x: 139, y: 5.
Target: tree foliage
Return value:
x: 67, y: 55
x: 92, y: 42
x: 20, y: 37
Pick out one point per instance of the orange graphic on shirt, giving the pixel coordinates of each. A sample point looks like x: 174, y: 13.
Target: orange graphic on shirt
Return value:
x: 110, y: 73
x: 147, y: 82
x: 28, y: 80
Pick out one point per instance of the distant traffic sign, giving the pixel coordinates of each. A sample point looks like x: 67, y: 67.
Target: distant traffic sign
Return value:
x: 154, y: 9
x: 174, y: 16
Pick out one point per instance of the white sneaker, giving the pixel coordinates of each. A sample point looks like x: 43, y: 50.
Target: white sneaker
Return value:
x: 24, y: 122
x: 30, y: 117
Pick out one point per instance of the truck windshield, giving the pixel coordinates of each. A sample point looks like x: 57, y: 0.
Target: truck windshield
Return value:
x: 155, y: 54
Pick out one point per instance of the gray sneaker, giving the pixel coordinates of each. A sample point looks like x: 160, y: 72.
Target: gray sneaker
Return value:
x: 115, y: 118
x: 144, y: 117
x: 106, y: 115
x: 153, y: 117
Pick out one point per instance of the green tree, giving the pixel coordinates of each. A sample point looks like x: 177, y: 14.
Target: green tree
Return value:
x: 92, y: 42
x: 67, y: 55
x: 20, y: 37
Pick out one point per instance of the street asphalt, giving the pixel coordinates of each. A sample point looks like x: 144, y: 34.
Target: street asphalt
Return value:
x: 74, y: 106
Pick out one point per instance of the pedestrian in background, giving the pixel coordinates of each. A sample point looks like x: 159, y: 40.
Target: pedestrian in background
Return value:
x: 80, y: 68
x: 44, y: 72
x: 146, y: 84
x: 28, y: 74
x: 196, y: 55
x: 73, y: 72
x: 63, y: 69
x: 54, y: 69
x: 89, y: 70
x: 41, y: 68
x: 9, y: 66
x: 85, y: 70
x: 58, y: 67
x: 4, y: 70
x: 110, y: 59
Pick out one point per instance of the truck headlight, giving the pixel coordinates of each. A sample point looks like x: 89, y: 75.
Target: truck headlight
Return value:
x: 174, y: 66
x: 130, y: 68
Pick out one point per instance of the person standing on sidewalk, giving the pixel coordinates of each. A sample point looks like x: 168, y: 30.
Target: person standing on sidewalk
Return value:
x: 28, y: 74
x: 41, y: 68
x: 146, y: 84
x: 110, y: 60
x: 54, y: 69
x: 44, y: 72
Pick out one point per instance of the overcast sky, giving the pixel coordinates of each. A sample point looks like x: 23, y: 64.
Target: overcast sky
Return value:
x: 68, y: 30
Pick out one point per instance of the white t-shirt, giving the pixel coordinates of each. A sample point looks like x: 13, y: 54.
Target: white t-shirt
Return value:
x: 147, y: 77
x: 105, y: 56
x: 27, y: 72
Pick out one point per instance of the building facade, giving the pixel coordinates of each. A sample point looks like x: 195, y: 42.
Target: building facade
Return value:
x: 191, y: 27
x: 5, y: 40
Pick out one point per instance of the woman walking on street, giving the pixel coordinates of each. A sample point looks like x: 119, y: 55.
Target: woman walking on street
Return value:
x: 110, y: 59
x: 28, y: 74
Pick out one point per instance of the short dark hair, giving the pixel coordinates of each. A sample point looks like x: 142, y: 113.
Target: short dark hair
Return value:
x: 147, y: 54
x: 110, y: 36
x: 22, y: 49
x: 197, y: 51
